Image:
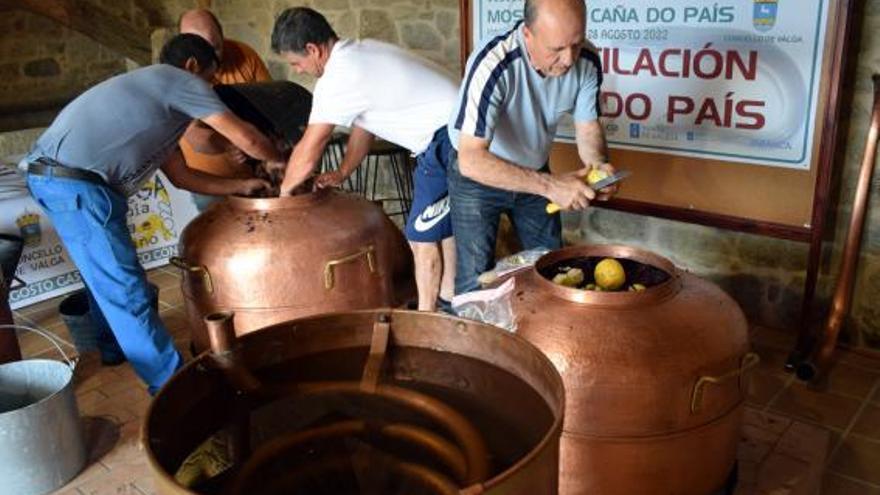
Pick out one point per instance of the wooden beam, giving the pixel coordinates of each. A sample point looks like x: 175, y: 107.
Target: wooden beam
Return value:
x: 96, y: 23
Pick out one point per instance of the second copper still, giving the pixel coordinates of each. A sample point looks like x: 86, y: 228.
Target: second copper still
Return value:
x: 655, y: 380
x: 274, y: 259
x: 362, y: 402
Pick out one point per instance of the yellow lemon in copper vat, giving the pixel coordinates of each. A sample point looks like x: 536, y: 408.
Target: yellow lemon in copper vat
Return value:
x: 609, y: 274
x: 596, y: 175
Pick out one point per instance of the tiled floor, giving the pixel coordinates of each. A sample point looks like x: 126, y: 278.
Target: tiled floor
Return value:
x: 113, y: 403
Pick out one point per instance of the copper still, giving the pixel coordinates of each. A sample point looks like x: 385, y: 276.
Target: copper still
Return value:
x: 375, y: 401
x: 275, y: 259
x: 655, y: 380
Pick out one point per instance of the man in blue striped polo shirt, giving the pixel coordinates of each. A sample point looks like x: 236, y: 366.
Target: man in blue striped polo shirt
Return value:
x: 516, y: 88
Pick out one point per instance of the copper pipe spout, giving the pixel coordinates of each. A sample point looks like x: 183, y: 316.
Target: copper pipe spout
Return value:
x: 814, y: 370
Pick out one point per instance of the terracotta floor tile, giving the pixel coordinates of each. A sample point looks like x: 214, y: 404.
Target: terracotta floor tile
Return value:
x: 859, y: 458
x: 32, y: 344
x: 868, y: 423
x: 37, y: 311
x: 780, y: 472
x: 807, y: 442
x: 171, y: 297
x: 868, y: 362
x: 833, y: 484
x: 847, y: 379
x: 755, y: 444
x: 763, y: 386
x: 163, y: 279
x: 772, y: 359
x: 822, y: 408
x: 176, y: 321
x: 766, y: 421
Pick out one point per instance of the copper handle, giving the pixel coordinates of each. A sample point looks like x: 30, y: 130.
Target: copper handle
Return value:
x: 748, y: 362
x: 369, y: 252
x: 185, y: 266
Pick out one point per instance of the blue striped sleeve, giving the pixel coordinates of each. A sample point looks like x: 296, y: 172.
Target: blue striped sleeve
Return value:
x: 586, y: 106
x: 483, y: 90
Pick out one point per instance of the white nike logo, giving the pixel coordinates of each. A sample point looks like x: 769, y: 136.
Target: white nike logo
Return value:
x: 432, y: 215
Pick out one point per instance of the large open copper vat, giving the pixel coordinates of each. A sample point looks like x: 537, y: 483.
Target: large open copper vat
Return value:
x: 655, y: 380
x: 413, y: 403
x: 274, y: 259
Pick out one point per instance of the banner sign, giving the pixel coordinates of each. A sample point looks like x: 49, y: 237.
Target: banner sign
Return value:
x: 157, y: 214
x: 735, y: 80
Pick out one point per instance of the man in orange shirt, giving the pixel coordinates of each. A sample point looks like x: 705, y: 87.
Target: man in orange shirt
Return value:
x: 203, y: 149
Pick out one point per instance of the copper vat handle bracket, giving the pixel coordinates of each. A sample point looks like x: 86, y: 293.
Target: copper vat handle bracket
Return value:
x: 378, y: 347
x: 181, y: 263
x: 748, y: 362
x: 369, y: 252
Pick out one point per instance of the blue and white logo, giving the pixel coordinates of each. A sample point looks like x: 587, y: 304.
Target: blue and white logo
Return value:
x: 634, y: 131
x: 764, y: 17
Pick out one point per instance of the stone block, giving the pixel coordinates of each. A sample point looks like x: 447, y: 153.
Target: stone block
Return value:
x: 10, y: 71
x: 45, y: 67
x: 421, y: 36
x: 447, y: 24
x: 377, y: 24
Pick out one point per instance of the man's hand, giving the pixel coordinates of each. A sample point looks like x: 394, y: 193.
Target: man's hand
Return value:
x: 250, y: 187
x: 236, y: 155
x: 607, y: 192
x: 333, y: 178
x: 570, y: 191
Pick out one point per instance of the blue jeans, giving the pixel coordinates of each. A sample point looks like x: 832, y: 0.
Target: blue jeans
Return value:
x: 476, y: 211
x: 90, y: 219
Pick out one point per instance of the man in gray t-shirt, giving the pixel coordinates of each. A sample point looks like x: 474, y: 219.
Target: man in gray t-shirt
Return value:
x: 515, y: 90
x: 99, y: 150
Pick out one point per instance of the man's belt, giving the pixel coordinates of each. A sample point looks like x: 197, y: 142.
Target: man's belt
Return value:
x: 57, y: 170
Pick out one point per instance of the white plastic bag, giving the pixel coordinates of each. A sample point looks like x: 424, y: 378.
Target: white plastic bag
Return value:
x: 492, y: 306
x: 511, y: 264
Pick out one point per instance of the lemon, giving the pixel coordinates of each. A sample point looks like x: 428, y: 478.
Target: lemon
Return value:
x: 596, y: 175
x: 637, y: 288
x: 609, y: 274
x: 571, y: 278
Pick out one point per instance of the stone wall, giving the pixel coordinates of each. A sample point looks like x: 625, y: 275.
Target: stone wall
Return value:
x: 428, y: 27
x: 43, y: 64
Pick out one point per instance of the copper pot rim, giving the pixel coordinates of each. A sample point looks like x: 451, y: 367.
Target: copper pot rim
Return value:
x: 306, y: 200
x: 651, y: 295
x: 553, y: 435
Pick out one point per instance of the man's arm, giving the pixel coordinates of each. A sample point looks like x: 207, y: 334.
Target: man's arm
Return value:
x: 244, y: 136
x: 591, y: 145
x: 306, y: 156
x: 477, y: 163
x: 357, y: 147
x: 593, y: 150
x: 190, y: 179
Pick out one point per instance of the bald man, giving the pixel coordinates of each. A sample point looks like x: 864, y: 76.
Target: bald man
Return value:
x: 202, y: 148
x: 516, y: 89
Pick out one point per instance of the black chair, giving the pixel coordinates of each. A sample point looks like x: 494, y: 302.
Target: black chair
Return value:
x: 365, y: 180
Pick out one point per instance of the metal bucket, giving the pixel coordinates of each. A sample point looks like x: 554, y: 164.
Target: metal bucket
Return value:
x: 41, y: 441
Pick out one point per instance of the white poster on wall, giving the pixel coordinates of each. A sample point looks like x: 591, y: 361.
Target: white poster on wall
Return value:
x: 156, y: 216
x: 735, y: 80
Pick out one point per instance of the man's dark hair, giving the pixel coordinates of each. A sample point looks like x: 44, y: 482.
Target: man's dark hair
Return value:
x: 298, y: 26
x: 530, y: 12
x: 180, y: 48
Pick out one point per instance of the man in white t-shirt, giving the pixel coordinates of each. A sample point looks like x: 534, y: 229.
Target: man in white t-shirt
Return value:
x: 378, y: 89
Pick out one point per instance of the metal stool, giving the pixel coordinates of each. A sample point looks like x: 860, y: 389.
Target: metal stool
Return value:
x: 365, y: 179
